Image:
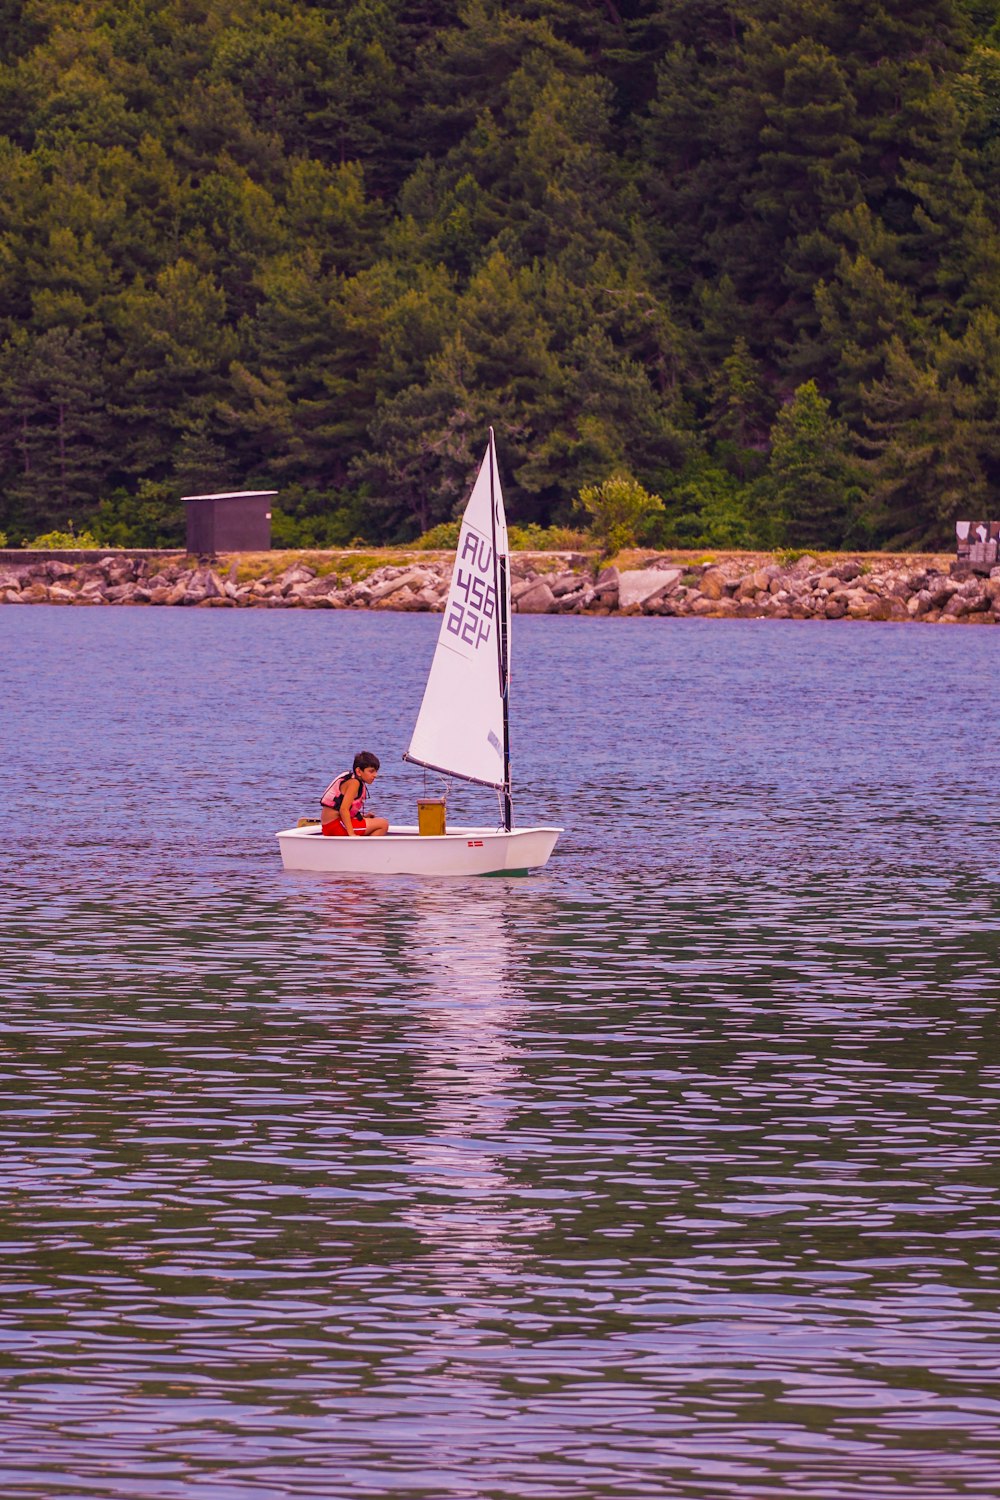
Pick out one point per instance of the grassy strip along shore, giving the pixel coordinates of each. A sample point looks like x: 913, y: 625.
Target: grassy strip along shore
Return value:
x: 830, y: 586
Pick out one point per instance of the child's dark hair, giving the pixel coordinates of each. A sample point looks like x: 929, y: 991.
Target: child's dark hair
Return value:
x: 365, y: 760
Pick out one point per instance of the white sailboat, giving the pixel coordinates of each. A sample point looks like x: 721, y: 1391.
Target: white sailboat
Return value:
x: 462, y: 729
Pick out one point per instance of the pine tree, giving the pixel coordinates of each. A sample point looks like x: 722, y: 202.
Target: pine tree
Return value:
x: 923, y: 453
x: 55, y: 446
x: 742, y: 409
x: 970, y: 369
x: 811, y: 480
x: 862, y: 310
x: 172, y: 362
x: 425, y: 445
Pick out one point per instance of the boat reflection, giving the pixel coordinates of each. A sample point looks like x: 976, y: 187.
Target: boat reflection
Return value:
x: 466, y: 1204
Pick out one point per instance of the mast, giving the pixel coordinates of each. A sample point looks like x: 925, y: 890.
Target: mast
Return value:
x: 500, y: 577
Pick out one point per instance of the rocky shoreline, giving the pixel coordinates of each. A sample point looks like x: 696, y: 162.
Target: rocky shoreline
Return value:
x: 741, y: 586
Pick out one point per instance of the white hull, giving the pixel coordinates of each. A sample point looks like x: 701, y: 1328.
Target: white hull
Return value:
x: 403, y: 851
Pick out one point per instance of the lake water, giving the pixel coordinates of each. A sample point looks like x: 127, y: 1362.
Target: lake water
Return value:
x: 670, y: 1171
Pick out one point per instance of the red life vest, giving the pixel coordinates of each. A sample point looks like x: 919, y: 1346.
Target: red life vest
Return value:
x: 333, y: 795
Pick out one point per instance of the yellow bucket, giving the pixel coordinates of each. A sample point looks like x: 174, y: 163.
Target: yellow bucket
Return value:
x: 430, y: 816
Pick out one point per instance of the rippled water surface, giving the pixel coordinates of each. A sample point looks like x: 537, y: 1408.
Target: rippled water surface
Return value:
x: 670, y: 1171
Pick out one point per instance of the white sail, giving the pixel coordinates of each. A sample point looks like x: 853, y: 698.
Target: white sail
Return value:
x: 460, y: 727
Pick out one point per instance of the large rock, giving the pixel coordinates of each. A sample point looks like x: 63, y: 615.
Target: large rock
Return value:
x: 580, y: 598
x: 960, y: 604
x: 860, y: 603
x: 639, y: 586
x: 566, y: 583
x: 715, y: 609
x: 940, y: 591
x: 713, y: 584
x: 204, y: 584
x: 118, y: 570
x: 404, y: 599
x: 606, y: 588
x: 296, y: 574
x: 887, y: 609
x: 520, y: 584
x: 538, y: 600
x: 413, y: 580
x: 319, y: 588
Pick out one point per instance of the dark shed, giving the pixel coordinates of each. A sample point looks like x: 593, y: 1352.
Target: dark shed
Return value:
x: 234, y: 521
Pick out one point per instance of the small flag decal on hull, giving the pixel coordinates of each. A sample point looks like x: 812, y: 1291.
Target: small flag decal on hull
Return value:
x: 475, y: 843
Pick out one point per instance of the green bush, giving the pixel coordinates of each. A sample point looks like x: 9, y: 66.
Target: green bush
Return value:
x: 706, y: 506
x: 443, y: 538
x: 322, y: 520
x: 534, y: 538
x: 152, y: 517
x: 50, y: 541
x: 286, y: 531
x: 617, y: 508
x: 530, y: 538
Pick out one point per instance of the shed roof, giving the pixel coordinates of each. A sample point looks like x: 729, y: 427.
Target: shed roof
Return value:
x: 233, y: 495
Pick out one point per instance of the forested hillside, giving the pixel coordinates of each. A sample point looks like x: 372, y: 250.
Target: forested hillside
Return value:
x: 746, y: 251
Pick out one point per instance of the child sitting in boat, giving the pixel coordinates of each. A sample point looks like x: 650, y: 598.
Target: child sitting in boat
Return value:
x: 342, y: 804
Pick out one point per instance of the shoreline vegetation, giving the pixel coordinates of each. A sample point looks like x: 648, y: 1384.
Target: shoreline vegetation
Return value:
x: 743, y: 256
x: 926, y: 587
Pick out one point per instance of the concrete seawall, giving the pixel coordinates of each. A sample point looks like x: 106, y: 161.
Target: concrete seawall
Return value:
x: 929, y: 589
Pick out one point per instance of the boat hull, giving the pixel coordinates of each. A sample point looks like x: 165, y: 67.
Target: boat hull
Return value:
x: 404, y: 851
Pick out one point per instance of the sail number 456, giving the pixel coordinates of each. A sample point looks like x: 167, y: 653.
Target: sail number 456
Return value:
x: 471, y: 622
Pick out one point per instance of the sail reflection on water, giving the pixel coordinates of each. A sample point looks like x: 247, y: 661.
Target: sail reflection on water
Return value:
x: 468, y: 999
